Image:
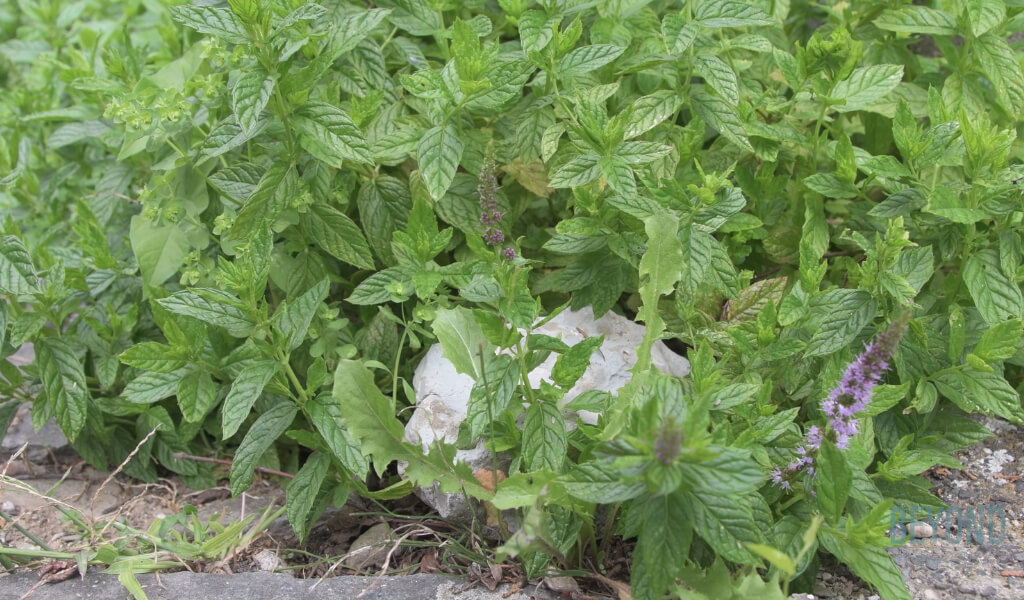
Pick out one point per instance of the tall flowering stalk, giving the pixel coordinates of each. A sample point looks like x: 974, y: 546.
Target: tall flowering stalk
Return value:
x: 845, y: 402
x: 490, y: 216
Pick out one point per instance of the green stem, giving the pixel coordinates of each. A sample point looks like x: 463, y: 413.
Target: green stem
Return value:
x: 286, y: 364
x: 521, y: 357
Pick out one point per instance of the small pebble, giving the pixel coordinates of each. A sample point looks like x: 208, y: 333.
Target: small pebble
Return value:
x: 933, y: 564
x: 965, y: 588
x: 8, y: 507
x: 929, y: 595
x: 942, y: 585
x: 267, y: 560
x: 988, y: 592
x: 921, y: 530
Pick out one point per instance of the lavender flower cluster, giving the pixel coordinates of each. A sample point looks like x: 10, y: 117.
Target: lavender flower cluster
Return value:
x: 490, y: 216
x: 844, y: 402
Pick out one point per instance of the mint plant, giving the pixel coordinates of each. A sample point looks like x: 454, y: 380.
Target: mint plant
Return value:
x: 242, y: 224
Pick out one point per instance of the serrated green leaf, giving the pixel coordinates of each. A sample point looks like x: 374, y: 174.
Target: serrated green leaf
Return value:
x: 337, y: 234
x: 666, y: 532
x: 488, y: 402
x: 544, y: 441
x: 462, y: 340
x: 152, y: 387
x: 579, y: 171
x: 417, y: 17
x: 245, y: 391
x: 325, y: 415
x: 152, y: 356
x: 159, y: 250
x: 600, y: 482
x: 218, y: 22
x: 871, y: 563
x: 727, y: 13
x: 64, y: 383
x: 834, y: 481
x: 916, y: 19
x: 723, y: 521
x: 981, y: 391
x: 722, y: 117
x: 678, y: 33
x: 196, y: 395
x: 210, y: 306
x: 292, y: 320
x: 260, y: 437
x: 985, y: 14
x: 996, y: 297
x: 438, y: 154
x: 328, y: 133
x: 843, y: 313
x: 999, y: 342
x: 249, y: 97
x: 866, y: 85
x: 571, y: 364
x: 719, y: 75
x: 998, y: 61
x: 17, y: 275
x: 370, y: 418
x: 350, y: 31
x: 302, y: 491
x: 648, y: 111
x: 586, y: 59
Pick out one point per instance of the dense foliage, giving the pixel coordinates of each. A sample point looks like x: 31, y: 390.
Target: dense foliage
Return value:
x: 242, y: 224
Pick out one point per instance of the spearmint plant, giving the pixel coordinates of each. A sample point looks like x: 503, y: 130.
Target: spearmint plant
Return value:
x: 242, y: 224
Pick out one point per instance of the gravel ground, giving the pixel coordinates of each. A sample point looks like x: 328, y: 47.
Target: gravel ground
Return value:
x: 954, y: 566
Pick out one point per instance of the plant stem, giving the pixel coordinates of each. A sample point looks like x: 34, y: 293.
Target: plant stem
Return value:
x: 221, y: 461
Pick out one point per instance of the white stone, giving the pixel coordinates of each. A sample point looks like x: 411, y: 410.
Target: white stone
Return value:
x: 267, y: 560
x: 442, y: 393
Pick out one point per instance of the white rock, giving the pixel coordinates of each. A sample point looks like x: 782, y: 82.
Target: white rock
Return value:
x: 370, y: 549
x: 267, y: 560
x: 442, y: 393
x: 921, y: 530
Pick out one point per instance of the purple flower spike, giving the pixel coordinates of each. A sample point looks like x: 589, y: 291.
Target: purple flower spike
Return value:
x: 848, y: 399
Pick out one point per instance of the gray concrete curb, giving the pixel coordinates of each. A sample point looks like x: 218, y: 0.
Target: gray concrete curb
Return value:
x: 258, y: 586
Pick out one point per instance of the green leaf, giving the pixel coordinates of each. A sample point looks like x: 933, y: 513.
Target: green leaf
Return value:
x: 571, y: 365
x: 998, y: 61
x: 722, y: 117
x: 639, y: 153
x: 916, y: 19
x: 981, y: 391
x: 834, y: 481
x: 830, y: 186
x: 586, y: 59
x: 678, y: 33
x: 462, y: 340
x: 159, y: 250
x: 841, y: 314
x: 370, y: 418
x: 196, y: 395
x: 302, y: 491
x: 17, y: 275
x: 327, y: 132
x: 210, y: 306
x: 349, y: 32
x: 292, y: 320
x: 724, y: 522
x: 152, y: 356
x: 727, y: 13
x: 732, y: 471
x: 660, y: 268
x: 544, y: 441
x: 218, y: 22
x: 985, y: 15
x: 337, y: 234
x: 666, y: 533
x: 417, y: 17
x: 249, y: 97
x: 438, y: 154
x: 245, y: 390
x: 488, y: 402
x: 601, y: 482
x: 999, y: 342
x: 578, y: 172
x: 64, y: 383
x: 719, y: 75
x: 866, y: 85
x: 648, y: 111
x: 870, y: 563
x: 325, y: 414
x: 995, y: 295
x: 152, y: 387
x: 261, y: 436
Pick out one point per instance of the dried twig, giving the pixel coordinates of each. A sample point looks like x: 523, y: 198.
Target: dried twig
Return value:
x: 221, y: 461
